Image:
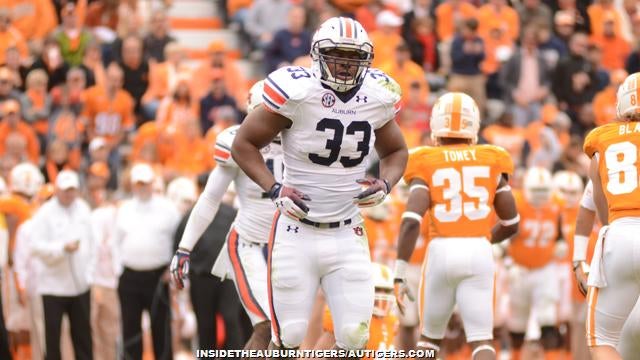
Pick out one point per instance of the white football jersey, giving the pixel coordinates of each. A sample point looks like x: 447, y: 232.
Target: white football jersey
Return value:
x: 255, y: 214
x: 327, y: 146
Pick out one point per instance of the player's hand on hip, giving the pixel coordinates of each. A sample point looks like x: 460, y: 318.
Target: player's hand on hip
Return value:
x: 180, y: 267
x: 374, y: 194
x: 289, y: 201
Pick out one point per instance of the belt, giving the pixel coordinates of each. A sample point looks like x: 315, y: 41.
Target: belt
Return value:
x: 330, y: 225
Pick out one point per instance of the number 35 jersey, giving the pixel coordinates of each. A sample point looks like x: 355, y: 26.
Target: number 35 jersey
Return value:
x: 617, y: 147
x: 462, y: 181
x: 329, y: 140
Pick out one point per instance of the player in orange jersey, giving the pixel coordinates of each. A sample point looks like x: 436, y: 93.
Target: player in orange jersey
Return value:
x: 384, y: 324
x: 460, y: 183
x: 568, y: 188
x: 534, y: 286
x: 614, y: 280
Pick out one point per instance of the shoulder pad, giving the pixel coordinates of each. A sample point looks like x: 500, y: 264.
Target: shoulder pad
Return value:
x: 222, y: 151
x: 590, y: 146
x: 285, y: 85
x: 388, y: 87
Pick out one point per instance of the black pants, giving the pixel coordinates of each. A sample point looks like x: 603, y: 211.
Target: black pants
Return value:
x: 139, y: 291
x: 210, y: 296
x: 79, y: 312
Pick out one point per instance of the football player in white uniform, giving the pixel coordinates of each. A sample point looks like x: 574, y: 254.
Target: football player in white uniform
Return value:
x: 330, y: 116
x: 247, y: 239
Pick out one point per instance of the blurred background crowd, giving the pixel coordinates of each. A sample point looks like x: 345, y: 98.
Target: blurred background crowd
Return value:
x: 105, y: 104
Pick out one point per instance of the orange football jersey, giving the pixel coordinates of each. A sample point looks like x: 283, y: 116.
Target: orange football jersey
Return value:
x: 462, y: 181
x: 382, y: 330
x: 533, y: 246
x: 617, y: 145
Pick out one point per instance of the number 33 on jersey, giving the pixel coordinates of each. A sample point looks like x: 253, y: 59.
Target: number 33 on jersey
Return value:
x: 462, y: 183
x: 617, y: 147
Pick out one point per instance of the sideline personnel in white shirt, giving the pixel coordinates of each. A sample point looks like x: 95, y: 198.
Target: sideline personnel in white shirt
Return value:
x: 61, y: 238
x: 145, y: 226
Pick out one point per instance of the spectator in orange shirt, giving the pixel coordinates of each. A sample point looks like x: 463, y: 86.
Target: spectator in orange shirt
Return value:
x: 599, y: 12
x: 13, y: 124
x: 499, y: 47
x: 191, y: 156
x: 10, y: 37
x: 406, y: 72
x: 450, y: 14
x: 386, y: 37
x: 615, y: 49
x: 506, y: 134
x: 103, y: 13
x: 224, y: 117
x: 177, y: 109
x: 604, y: 103
x: 501, y: 11
x: 99, y: 152
x: 108, y: 110
x: 35, y: 19
x: 57, y: 160
x: 218, y: 61
x: 162, y: 78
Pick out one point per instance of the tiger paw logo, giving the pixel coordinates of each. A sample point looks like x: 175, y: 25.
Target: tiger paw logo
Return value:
x: 358, y: 230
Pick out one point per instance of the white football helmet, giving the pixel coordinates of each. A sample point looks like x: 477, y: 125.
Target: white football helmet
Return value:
x: 25, y: 178
x: 455, y: 115
x: 255, y: 95
x: 568, y: 186
x: 538, y: 186
x: 628, y: 98
x: 383, y: 283
x: 345, y: 34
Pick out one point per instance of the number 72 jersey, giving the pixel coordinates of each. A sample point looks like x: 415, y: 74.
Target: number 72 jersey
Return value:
x: 330, y: 137
x: 617, y: 146
x: 462, y: 182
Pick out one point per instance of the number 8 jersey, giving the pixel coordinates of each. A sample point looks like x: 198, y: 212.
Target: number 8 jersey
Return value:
x: 462, y: 182
x: 616, y: 145
x: 330, y: 137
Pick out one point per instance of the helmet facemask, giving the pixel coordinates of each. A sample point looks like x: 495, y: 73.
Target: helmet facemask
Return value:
x: 349, y: 70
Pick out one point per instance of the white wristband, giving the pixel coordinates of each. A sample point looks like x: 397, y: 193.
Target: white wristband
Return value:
x: 580, y: 243
x: 418, y: 186
x: 504, y: 188
x: 412, y: 215
x: 510, y: 222
x: 400, y: 271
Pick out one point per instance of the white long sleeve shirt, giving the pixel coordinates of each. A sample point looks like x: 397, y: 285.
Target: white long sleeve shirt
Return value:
x: 144, y: 233
x: 53, y: 226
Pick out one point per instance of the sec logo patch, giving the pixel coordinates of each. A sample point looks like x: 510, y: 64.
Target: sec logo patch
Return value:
x: 328, y: 100
x: 358, y: 230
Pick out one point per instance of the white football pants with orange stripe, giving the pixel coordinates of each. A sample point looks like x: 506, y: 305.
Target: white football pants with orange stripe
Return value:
x: 610, y: 304
x: 533, y: 298
x: 458, y: 271
x: 304, y: 257
x: 249, y: 265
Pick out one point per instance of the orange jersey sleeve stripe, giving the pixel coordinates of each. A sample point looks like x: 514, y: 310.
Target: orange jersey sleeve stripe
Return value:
x: 273, y: 95
x: 246, y: 296
x: 275, y: 326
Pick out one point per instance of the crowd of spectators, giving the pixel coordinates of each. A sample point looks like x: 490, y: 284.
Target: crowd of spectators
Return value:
x: 89, y: 89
